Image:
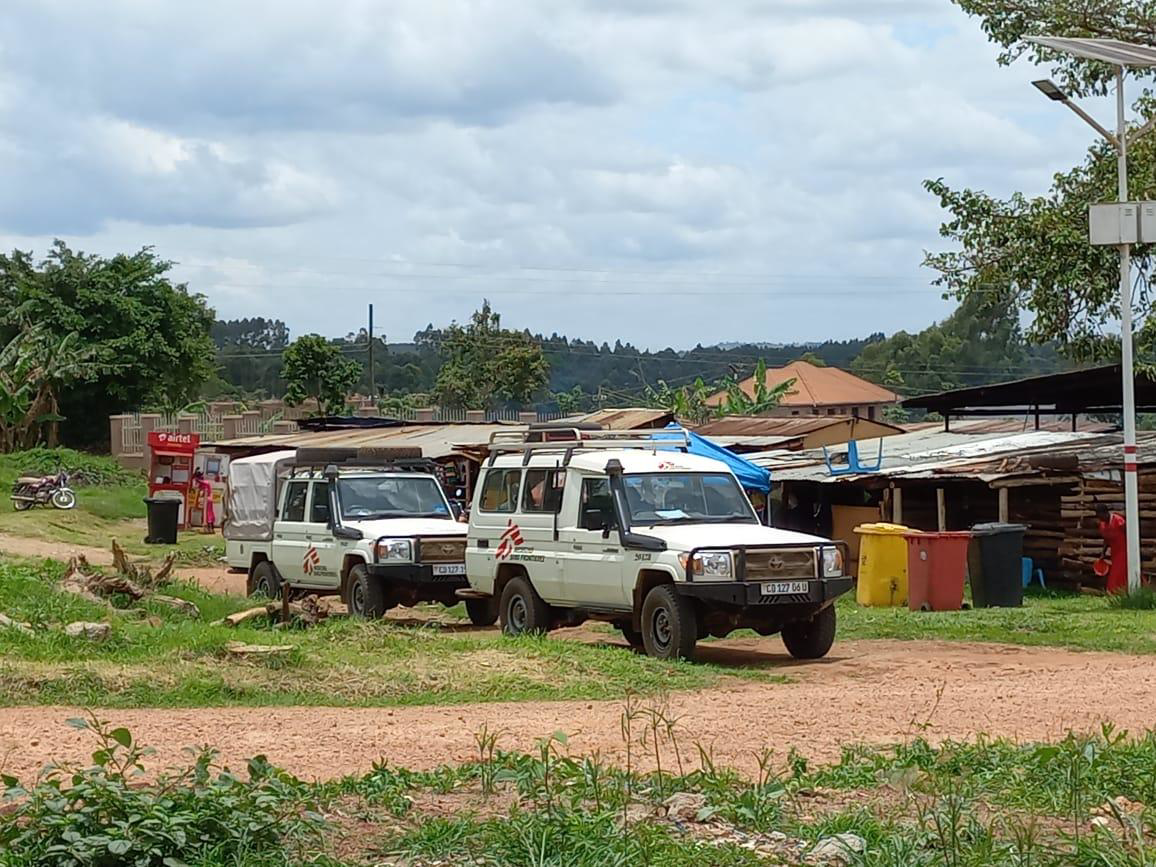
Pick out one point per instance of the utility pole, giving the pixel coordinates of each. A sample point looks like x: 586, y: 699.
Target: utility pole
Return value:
x: 1123, y: 56
x: 372, y: 384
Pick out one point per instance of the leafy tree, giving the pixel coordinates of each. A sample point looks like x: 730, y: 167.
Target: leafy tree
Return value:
x: 315, y: 368
x: 35, y: 366
x: 738, y: 402
x: 573, y: 401
x: 259, y: 333
x: 486, y: 364
x: 980, y: 342
x: 1032, y: 252
x: 688, y: 403
x: 146, y: 338
x: 813, y: 359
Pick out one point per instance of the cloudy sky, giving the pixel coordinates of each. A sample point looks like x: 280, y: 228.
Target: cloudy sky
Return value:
x: 664, y: 171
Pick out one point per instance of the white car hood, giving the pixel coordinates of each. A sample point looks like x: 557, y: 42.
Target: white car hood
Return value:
x: 686, y: 537
x: 408, y: 527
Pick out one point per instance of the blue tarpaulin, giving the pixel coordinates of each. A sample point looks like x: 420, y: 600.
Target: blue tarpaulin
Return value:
x: 750, y: 476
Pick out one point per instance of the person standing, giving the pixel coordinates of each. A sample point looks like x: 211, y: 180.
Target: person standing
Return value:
x: 1114, y: 533
x: 205, y: 494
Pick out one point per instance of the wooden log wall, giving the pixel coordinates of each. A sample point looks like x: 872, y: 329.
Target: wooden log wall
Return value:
x: 1082, y: 543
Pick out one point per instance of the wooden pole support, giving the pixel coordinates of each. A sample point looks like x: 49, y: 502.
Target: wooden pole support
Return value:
x: 941, y: 508
x: 1004, y: 511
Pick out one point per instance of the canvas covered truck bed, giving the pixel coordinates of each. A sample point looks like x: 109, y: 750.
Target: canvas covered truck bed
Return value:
x: 251, y: 496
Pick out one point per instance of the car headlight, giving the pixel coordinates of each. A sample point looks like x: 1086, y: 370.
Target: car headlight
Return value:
x: 710, y: 565
x: 832, y: 562
x: 394, y: 550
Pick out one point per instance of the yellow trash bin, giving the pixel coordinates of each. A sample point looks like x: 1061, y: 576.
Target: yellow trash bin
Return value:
x: 882, y: 565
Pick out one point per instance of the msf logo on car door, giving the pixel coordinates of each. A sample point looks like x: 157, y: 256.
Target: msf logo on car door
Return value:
x: 510, y: 540
x: 311, y: 561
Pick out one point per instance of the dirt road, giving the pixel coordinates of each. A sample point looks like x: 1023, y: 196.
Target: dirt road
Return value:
x: 868, y: 691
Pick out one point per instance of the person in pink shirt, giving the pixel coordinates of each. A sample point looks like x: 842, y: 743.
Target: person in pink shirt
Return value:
x: 205, y: 493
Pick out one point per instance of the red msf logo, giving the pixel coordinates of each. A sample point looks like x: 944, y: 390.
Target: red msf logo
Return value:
x: 312, y: 561
x: 510, y: 540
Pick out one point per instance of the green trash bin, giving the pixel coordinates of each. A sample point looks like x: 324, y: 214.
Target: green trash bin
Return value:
x: 995, y: 565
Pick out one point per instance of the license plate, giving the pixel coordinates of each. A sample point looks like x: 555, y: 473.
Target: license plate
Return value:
x: 449, y: 569
x: 782, y: 588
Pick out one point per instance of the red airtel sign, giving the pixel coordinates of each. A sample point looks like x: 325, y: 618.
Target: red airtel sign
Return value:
x: 166, y: 441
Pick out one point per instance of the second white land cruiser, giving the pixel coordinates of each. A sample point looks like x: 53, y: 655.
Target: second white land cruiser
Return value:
x: 372, y: 525
x: 661, y: 543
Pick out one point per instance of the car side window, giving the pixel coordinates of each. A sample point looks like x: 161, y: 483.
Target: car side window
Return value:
x: 543, y: 491
x: 295, y: 495
x: 500, y: 491
x: 596, y: 507
x: 319, y: 508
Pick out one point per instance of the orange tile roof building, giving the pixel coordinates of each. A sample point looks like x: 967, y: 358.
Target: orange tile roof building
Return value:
x: 821, y: 391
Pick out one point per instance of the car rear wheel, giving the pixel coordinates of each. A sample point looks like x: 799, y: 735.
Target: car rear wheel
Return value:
x: 522, y: 609
x: 811, y: 639
x: 367, y: 597
x: 482, y: 612
x: 265, y: 581
x: 669, y: 624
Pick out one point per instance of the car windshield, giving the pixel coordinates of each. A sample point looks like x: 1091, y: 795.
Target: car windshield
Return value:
x: 392, y: 497
x: 672, y: 498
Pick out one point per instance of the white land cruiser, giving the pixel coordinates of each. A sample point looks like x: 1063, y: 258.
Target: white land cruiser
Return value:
x: 371, y: 525
x: 663, y: 544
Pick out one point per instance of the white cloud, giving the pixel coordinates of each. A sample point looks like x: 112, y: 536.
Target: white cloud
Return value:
x: 667, y: 171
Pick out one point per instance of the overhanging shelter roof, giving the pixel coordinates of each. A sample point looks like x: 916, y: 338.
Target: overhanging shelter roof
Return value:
x: 1093, y: 389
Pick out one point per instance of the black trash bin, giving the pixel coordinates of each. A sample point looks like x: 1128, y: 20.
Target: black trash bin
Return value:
x: 163, y: 515
x: 995, y: 565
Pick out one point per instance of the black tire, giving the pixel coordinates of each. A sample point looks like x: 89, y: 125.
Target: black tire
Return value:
x: 633, y: 636
x: 522, y: 610
x: 811, y: 639
x: 482, y: 612
x: 366, y: 595
x: 265, y: 581
x: 669, y: 624
x: 22, y: 505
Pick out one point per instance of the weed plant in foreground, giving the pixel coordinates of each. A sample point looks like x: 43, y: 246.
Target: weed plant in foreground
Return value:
x: 1081, y: 801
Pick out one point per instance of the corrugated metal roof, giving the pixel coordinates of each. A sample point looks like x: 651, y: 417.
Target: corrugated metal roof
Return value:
x: 627, y: 418
x: 930, y: 453
x: 773, y: 426
x: 435, y: 441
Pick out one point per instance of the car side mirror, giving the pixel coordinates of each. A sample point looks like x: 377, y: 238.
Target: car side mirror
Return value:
x: 456, y: 511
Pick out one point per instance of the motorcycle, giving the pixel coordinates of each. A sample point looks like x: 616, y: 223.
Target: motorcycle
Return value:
x: 31, y: 491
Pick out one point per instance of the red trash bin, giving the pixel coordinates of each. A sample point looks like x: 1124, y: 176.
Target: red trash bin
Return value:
x: 936, y: 570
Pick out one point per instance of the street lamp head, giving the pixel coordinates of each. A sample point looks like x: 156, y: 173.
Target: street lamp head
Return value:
x: 1050, y: 89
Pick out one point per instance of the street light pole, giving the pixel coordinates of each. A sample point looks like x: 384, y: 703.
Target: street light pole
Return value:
x: 1131, y: 481
x: 1122, y: 56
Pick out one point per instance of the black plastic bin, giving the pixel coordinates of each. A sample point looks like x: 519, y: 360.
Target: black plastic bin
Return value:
x: 163, y: 517
x: 995, y: 565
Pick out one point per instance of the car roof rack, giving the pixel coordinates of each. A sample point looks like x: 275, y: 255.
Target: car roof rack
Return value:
x: 570, y: 438
x: 395, y: 459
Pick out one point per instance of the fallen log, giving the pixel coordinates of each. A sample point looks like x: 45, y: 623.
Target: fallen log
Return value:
x: 7, y: 622
x: 182, y: 605
x: 238, y: 648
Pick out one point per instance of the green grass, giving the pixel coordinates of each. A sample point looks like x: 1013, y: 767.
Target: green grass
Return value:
x: 1072, y: 621
x: 916, y: 805
x: 174, y: 661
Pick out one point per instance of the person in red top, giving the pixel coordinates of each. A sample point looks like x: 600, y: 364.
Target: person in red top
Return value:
x: 205, y: 493
x: 1115, y: 536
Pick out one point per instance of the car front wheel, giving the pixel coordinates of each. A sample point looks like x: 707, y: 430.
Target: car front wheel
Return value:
x: 811, y: 639
x: 669, y: 624
x: 367, y: 598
